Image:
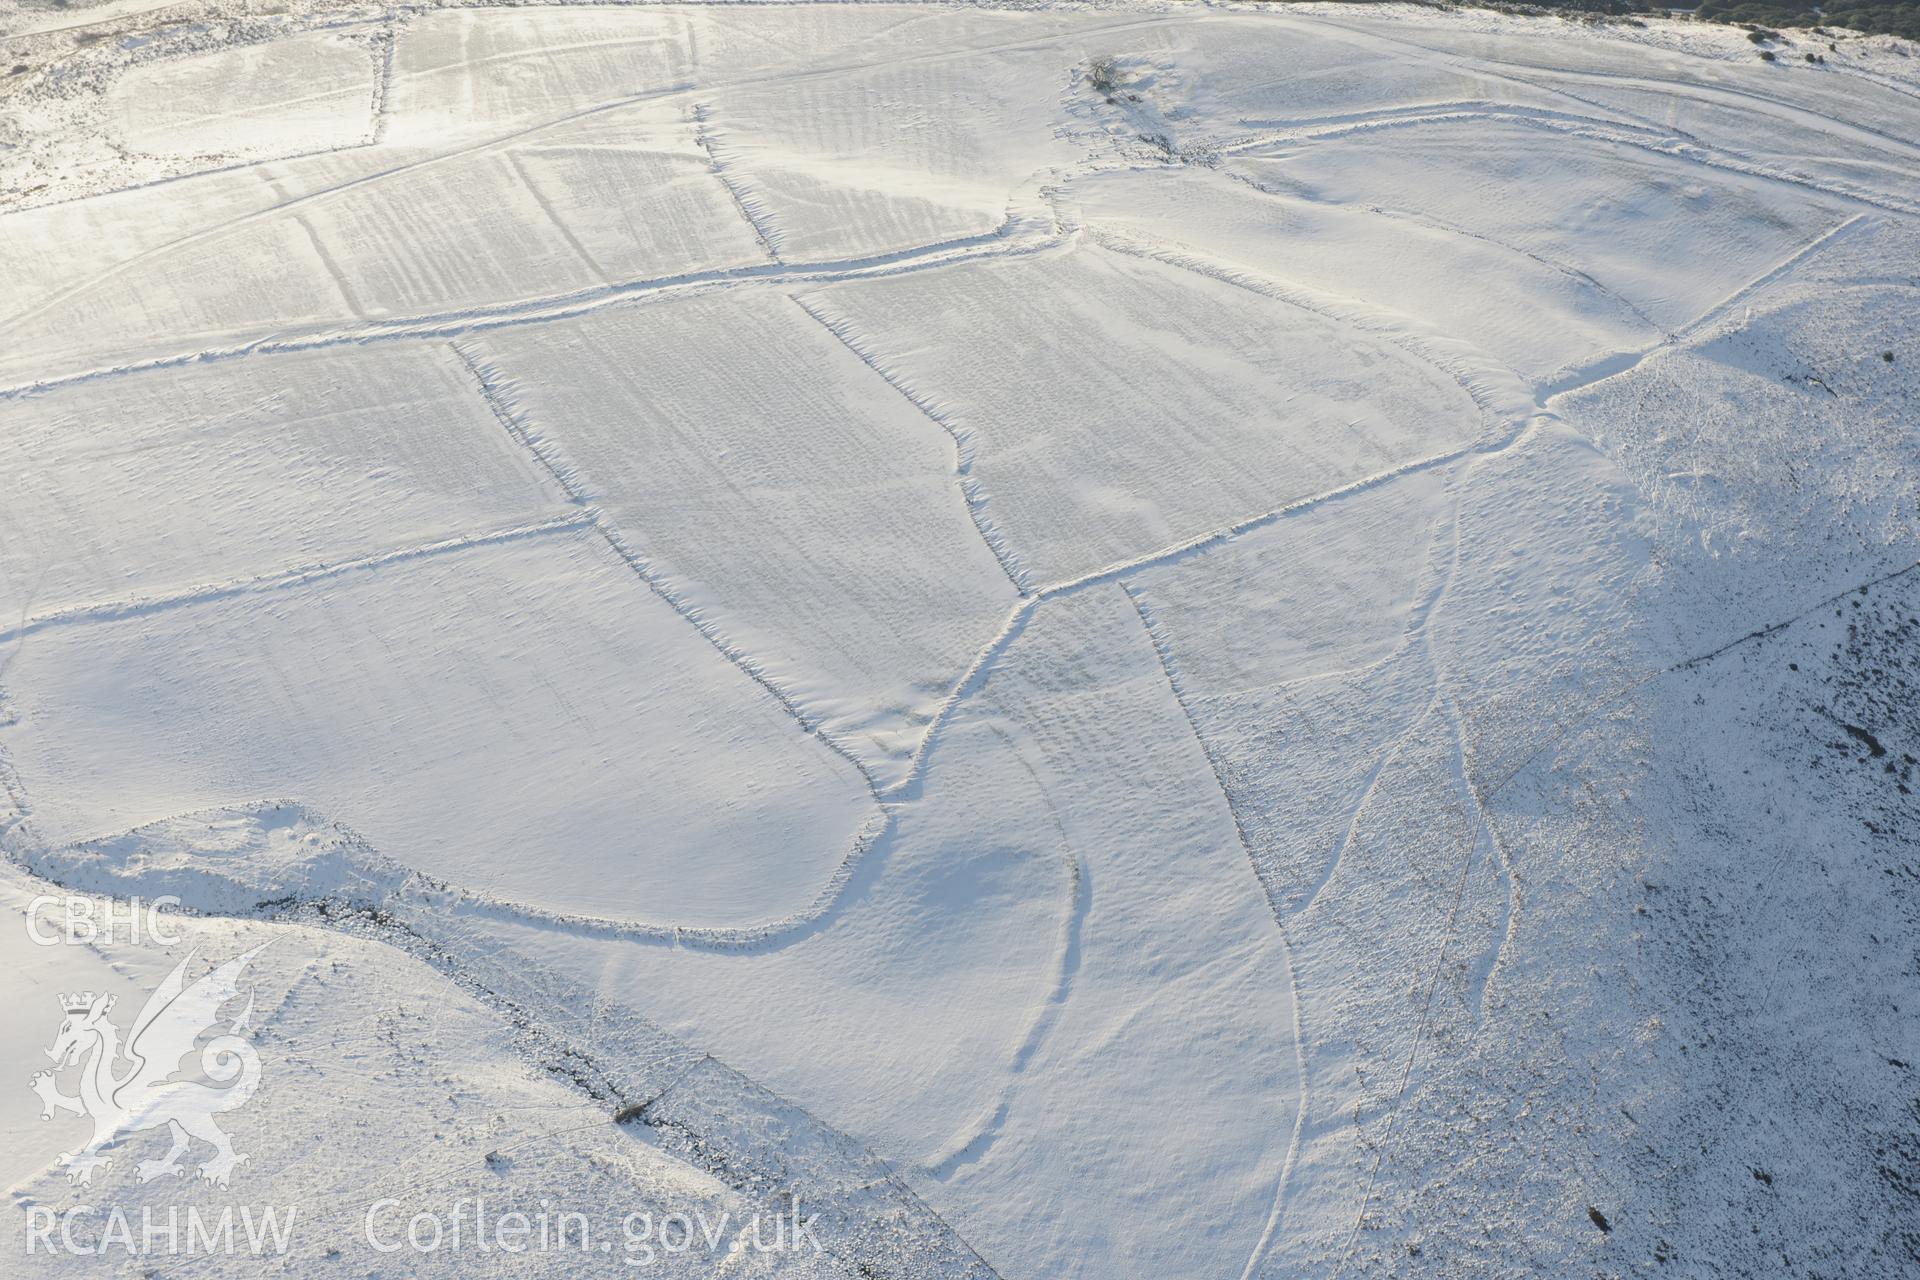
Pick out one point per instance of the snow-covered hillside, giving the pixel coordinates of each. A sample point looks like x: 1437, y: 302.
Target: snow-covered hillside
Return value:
x: 1097, y: 640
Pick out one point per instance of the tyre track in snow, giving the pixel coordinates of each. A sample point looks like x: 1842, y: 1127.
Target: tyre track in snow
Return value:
x: 1266, y: 133
x: 1480, y: 979
x: 1276, y: 1213
x: 1462, y: 771
x: 1720, y: 94
x: 970, y: 1145
x: 1417, y: 633
x: 1448, y: 934
x: 1437, y: 696
x: 1633, y: 131
x: 1694, y: 153
x: 1474, y: 64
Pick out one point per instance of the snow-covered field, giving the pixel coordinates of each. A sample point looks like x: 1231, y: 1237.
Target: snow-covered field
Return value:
x: 1069, y: 640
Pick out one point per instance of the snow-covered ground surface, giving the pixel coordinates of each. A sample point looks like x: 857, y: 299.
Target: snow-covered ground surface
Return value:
x: 1112, y: 640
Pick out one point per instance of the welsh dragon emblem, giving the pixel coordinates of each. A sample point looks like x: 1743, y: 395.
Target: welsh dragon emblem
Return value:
x: 143, y: 1094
